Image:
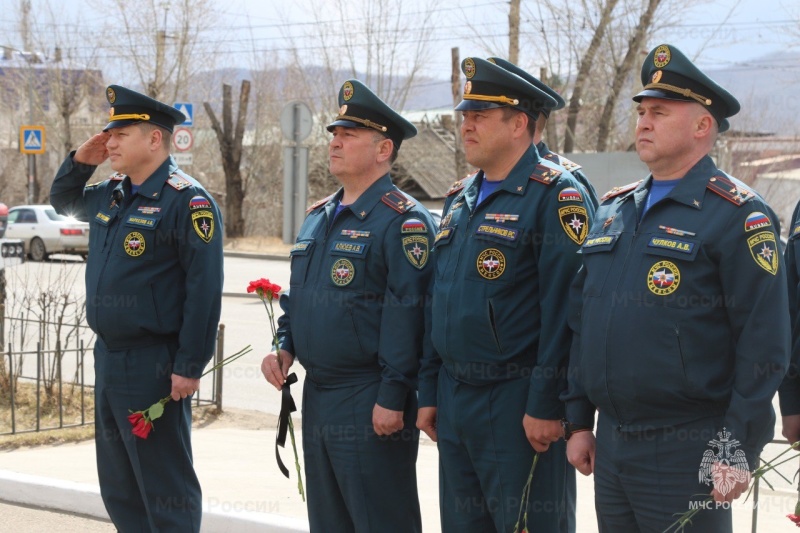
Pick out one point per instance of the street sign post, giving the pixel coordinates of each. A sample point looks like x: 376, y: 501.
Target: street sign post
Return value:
x: 188, y: 110
x: 182, y: 139
x: 31, y: 139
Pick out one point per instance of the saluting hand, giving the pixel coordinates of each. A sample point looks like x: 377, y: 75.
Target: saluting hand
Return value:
x: 93, y: 151
x: 385, y: 421
x: 426, y: 421
x: 541, y: 433
x: 274, y: 373
x: 580, y: 451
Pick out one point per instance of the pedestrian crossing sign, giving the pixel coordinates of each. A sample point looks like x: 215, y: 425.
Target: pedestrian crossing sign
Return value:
x: 31, y: 139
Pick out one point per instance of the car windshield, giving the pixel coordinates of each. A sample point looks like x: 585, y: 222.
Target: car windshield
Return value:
x: 52, y: 215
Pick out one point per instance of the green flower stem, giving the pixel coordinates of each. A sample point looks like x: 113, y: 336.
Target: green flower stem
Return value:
x: 525, y: 499
x: 296, y: 460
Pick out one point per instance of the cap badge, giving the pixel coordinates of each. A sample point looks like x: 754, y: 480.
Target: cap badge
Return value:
x: 468, y: 87
x: 662, y: 56
x: 469, y: 67
x: 343, y: 109
x: 657, y: 76
x: 347, y: 91
x: 111, y: 95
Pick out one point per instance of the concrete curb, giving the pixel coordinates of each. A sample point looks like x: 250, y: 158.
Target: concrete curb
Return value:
x: 84, y: 499
x: 253, y: 255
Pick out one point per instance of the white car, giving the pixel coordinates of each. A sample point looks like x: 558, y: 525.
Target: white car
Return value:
x: 45, y: 232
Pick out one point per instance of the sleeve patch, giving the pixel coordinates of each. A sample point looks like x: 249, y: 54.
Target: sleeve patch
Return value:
x: 575, y: 222
x: 570, y: 194
x: 203, y: 224
x: 413, y: 225
x: 764, y: 250
x: 416, y: 250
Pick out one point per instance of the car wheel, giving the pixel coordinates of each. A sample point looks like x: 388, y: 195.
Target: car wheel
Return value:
x: 37, y: 251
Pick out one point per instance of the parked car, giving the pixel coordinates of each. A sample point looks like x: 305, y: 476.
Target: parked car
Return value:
x: 45, y: 232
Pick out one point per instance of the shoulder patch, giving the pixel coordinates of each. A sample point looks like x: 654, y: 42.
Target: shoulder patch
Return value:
x: 319, y: 203
x: 616, y: 191
x: 545, y: 175
x: 729, y: 190
x: 397, y: 201
x: 178, y: 182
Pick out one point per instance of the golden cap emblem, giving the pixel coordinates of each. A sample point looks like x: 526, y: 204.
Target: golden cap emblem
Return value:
x: 111, y: 95
x: 662, y: 56
x: 468, y: 87
x: 469, y: 67
x: 347, y: 91
x: 343, y: 109
x: 657, y: 76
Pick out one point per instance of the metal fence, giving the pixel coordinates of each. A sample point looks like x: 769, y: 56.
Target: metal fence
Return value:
x: 41, y: 372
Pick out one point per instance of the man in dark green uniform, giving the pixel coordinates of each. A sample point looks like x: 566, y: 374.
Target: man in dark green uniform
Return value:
x: 505, y: 255
x: 355, y: 319
x: 681, y: 319
x: 789, y: 392
x: 541, y: 123
x: 153, y: 294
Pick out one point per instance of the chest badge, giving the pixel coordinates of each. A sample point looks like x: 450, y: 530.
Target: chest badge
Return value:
x: 134, y: 244
x: 764, y: 251
x: 663, y: 278
x: 342, y: 272
x: 491, y: 263
x: 575, y: 222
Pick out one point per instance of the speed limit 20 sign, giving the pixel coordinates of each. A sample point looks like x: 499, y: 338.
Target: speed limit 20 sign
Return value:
x: 182, y: 139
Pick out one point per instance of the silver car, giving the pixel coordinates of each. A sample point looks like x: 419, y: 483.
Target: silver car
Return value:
x: 45, y: 232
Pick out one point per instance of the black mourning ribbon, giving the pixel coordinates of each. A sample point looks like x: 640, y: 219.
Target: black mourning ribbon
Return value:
x: 287, y: 408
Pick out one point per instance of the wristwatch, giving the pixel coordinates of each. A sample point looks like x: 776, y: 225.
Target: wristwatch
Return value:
x: 570, y: 428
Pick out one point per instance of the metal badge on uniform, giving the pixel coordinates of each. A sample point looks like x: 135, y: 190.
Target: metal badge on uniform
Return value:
x: 354, y: 233
x: 756, y: 220
x: 575, y: 222
x: 342, y: 272
x: 413, y: 225
x: 491, y: 263
x: 134, y: 244
x: 203, y: 224
x: 501, y: 217
x: 764, y: 251
x: 663, y: 278
x: 508, y: 234
x: 102, y: 218
x: 416, y: 249
x: 444, y: 235
x: 570, y: 194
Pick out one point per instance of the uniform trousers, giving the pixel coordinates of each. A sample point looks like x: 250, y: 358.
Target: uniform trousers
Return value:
x: 643, y: 478
x: 356, y: 480
x: 485, y: 459
x: 146, y: 484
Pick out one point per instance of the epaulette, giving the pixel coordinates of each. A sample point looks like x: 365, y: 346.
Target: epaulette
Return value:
x: 116, y: 176
x: 319, y: 203
x: 457, y: 186
x: 545, y: 175
x: 563, y: 161
x: 616, y: 191
x: 178, y: 182
x: 397, y: 201
x: 729, y: 190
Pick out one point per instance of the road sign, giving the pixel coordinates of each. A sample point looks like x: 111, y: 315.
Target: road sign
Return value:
x: 182, y: 139
x: 183, y: 159
x: 187, y: 109
x: 296, y: 121
x: 31, y: 139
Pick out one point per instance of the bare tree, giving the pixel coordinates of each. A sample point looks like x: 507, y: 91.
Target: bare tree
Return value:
x: 623, y: 70
x: 230, y: 147
x: 513, y: 31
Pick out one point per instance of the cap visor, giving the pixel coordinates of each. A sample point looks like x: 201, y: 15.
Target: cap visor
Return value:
x: 119, y: 124
x: 343, y: 124
x: 477, y: 105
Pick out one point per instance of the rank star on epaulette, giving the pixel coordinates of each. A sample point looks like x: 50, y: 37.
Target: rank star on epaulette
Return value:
x: 457, y: 186
x: 729, y: 190
x: 502, y: 217
x: 397, y: 201
x: 178, y: 183
x: 617, y: 191
x: 545, y: 175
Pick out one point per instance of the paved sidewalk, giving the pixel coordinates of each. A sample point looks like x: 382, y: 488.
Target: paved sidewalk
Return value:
x: 244, y: 491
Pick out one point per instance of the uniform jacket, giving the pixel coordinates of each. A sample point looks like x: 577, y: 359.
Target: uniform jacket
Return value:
x: 789, y: 392
x: 503, y: 270
x: 682, y: 315
x: 358, y: 292
x: 154, y: 272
